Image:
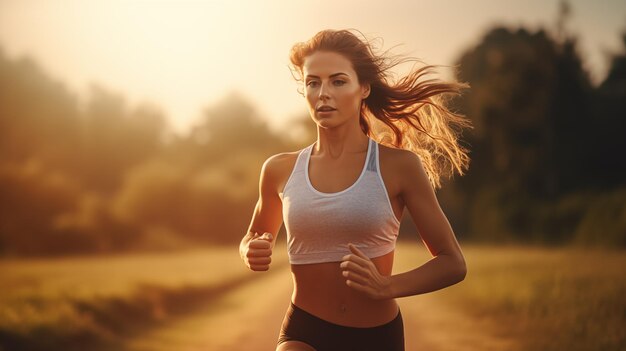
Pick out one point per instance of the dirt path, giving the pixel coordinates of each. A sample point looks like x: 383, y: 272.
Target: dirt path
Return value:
x: 249, y: 318
x: 246, y: 318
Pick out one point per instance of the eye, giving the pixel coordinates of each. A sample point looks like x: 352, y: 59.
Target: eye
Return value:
x: 311, y: 82
x: 339, y: 82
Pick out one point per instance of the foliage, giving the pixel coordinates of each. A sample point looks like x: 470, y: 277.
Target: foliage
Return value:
x: 544, y: 136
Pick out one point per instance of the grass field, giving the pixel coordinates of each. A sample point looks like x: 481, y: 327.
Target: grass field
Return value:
x: 71, y: 303
x: 547, y: 299
x: 544, y: 299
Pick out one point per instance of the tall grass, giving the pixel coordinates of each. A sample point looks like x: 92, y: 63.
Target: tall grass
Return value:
x: 93, y: 302
x: 548, y: 299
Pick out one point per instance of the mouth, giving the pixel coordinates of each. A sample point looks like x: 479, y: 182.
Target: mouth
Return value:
x: 325, y: 109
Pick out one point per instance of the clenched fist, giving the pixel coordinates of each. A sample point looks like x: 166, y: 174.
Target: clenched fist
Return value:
x: 258, y: 251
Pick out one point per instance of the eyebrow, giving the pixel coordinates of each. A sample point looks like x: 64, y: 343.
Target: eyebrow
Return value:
x: 331, y: 76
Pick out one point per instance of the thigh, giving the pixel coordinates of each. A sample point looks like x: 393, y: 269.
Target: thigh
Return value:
x: 303, y: 331
x: 294, y: 346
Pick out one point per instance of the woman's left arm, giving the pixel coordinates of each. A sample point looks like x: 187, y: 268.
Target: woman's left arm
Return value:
x: 446, y: 268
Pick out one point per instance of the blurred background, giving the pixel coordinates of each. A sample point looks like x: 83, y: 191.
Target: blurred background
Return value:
x: 132, y: 135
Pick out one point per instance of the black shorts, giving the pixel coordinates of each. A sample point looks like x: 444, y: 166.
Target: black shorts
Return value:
x: 300, y: 325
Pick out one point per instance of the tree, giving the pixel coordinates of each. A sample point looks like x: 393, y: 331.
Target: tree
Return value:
x: 607, y: 167
x: 528, y: 99
x: 529, y: 102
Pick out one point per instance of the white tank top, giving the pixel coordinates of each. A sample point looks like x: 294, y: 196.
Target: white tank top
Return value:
x: 320, y: 225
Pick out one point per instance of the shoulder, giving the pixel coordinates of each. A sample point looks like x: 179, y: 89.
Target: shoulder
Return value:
x: 404, y: 164
x: 398, y: 159
x: 279, y: 162
x: 277, y: 168
x: 395, y: 155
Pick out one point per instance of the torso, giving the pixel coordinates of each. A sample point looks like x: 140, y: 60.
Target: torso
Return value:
x: 321, y: 288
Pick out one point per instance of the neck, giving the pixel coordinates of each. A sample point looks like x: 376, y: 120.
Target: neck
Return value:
x: 335, y: 143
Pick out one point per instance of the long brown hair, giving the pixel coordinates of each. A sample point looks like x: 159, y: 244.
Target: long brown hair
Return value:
x: 409, y: 113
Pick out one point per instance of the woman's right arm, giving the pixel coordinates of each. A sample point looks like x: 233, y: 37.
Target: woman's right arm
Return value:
x: 256, y: 246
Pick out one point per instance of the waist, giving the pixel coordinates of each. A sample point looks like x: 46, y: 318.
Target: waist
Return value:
x: 300, y: 254
x: 321, y: 290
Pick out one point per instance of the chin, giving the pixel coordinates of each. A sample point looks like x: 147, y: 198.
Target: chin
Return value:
x: 328, y: 123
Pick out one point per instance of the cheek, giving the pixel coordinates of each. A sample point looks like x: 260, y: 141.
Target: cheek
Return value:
x: 349, y: 98
x: 310, y: 99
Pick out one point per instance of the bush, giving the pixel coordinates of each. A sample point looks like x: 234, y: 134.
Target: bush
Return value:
x: 604, y: 221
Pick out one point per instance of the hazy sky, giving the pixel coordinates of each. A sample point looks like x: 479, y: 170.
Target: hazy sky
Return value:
x: 185, y: 55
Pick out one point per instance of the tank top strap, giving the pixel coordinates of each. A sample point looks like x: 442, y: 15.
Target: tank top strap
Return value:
x: 372, y: 162
x: 302, y: 157
x: 297, y: 173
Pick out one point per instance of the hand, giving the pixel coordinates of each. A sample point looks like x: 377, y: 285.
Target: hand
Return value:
x: 258, y: 252
x: 361, y: 274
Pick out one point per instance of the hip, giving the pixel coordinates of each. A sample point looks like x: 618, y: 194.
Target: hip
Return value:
x: 301, y: 325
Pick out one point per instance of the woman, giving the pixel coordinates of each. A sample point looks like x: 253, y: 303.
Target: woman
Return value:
x: 343, y: 196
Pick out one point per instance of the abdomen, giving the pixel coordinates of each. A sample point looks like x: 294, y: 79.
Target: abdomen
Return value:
x: 321, y: 289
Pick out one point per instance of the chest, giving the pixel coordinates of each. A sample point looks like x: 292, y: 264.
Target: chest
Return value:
x: 334, y: 176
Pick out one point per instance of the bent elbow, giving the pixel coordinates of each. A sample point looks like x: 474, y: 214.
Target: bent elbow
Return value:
x: 456, y: 269
x: 461, y: 271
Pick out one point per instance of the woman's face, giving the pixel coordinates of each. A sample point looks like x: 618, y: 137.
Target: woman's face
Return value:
x: 331, y: 81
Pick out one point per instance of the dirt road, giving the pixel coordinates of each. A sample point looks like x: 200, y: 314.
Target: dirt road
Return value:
x: 246, y: 318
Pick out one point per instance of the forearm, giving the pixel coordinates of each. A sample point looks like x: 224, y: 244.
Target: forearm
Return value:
x: 438, y: 273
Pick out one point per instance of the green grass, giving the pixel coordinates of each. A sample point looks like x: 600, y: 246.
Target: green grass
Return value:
x: 548, y: 299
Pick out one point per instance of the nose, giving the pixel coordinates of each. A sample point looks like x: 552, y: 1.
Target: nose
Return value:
x: 323, y: 92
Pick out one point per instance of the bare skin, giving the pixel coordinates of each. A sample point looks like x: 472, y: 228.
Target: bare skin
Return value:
x: 358, y: 291
x: 322, y: 287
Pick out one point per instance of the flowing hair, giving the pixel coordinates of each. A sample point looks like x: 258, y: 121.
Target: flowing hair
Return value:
x: 409, y: 113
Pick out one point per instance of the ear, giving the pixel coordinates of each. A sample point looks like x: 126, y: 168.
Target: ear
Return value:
x: 365, y: 90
